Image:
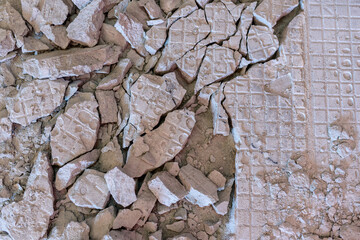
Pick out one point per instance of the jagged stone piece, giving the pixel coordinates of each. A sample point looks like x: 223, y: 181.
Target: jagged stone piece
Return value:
x: 234, y: 41
x: 5, y: 126
x: 73, y: 62
x: 124, y: 193
x: 90, y: 190
x: 184, y: 10
x: 168, y: 6
x: 219, y: 62
x: 166, y: 188
x: 155, y: 38
x: 76, y: 129
x: 32, y: 44
x: 176, y: 226
x: 235, y: 10
x: 73, y: 230
x: 221, y: 207
x: 220, y: 117
x: 189, y: 64
x: 262, y: 43
x: 111, y: 156
x: 272, y: 10
x: 30, y: 217
x: 116, y: 76
x: 57, y: 34
x: 85, y: 29
x: 10, y: 19
x: 184, y: 236
x: 172, y: 168
x: 132, y: 31
x: 102, y: 223
x: 221, y: 23
x: 184, y: 34
x: 7, y: 42
x: 160, y: 145
x: 6, y: 78
x: 35, y: 99
x: 217, y: 178
x: 152, y: 9
x: 107, y: 106
x: 126, y: 218
x: 81, y: 3
x: 67, y: 174
x: 109, y: 35
x: 245, y: 22
x: 202, y: 191
x: 151, y: 97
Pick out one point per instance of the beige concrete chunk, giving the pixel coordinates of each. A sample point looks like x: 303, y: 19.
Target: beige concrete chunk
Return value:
x: 152, y: 9
x: 220, y: 117
x: 262, y: 43
x: 168, y: 6
x: 221, y: 207
x: 73, y: 230
x: 35, y: 99
x: 90, y: 190
x: 126, y: 218
x: 57, y: 35
x: 73, y: 62
x: 107, y: 106
x: 172, y: 168
x: 116, y: 76
x: 111, y: 156
x: 217, y: 178
x: 189, y: 64
x: 7, y: 42
x: 155, y: 38
x: 273, y: 10
x: 184, y: 10
x: 132, y: 31
x: 245, y: 22
x: 219, y: 62
x: 121, y: 186
x: 32, y: 44
x: 5, y: 126
x: 85, y: 29
x: 166, y: 188
x: 76, y: 129
x: 183, y: 35
x: 176, y: 226
x: 202, y: 191
x: 30, y: 217
x: 10, y: 19
x: 151, y: 97
x: 102, y: 223
x: 67, y: 174
x: 160, y: 145
x: 109, y: 35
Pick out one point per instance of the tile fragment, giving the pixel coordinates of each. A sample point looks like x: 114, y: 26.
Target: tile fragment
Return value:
x: 7, y: 42
x: 110, y: 35
x: 168, y: 6
x: 107, y: 106
x: 221, y: 207
x: 189, y: 64
x: 185, y: 9
x: 111, y: 156
x: 155, y: 38
x: 116, y: 76
x: 245, y: 22
x: 57, y: 35
x: 73, y: 230
x: 234, y: 9
x: 126, y: 218
x: 220, y: 117
x: 152, y: 9
x: 32, y: 44
x: 202, y: 3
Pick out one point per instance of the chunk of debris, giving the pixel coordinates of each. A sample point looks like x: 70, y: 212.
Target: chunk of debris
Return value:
x: 57, y: 35
x: 184, y: 236
x: 235, y: 10
x: 150, y: 227
x: 111, y: 156
x: 219, y: 62
x: 5, y: 126
x: 202, y: 191
x: 67, y: 174
x: 180, y: 214
x: 6, y: 77
x: 124, y: 193
x: 234, y: 41
x: 102, y: 223
x: 155, y: 38
x: 262, y: 43
x: 184, y: 34
x: 245, y: 22
x: 76, y: 129
x: 280, y: 86
x: 220, y: 117
x: 10, y: 19
x: 35, y: 99
x: 206, y: 92
x: 350, y: 232
x: 211, y: 228
x: 85, y: 29
x: 217, y: 178
x: 110, y: 35
x: 126, y: 218
x: 176, y: 226
x: 107, y: 106
x: 172, y: 168
x: 184, y: 10
x: 124, y: 234
x: 90, y: 190
x: 136, y: 60
x: 72, y: 62
x: 116, y: 76
x: 156, y: 235
x: 81, y: 3
x: 168, y: 6
x: 137, y: 13
x: 151, y: 97
x: 73, y: 230
x: 132, y: 31
x: 7, y: 42
x: 189, y: 64
x: 221, y: 207
x: 152, y: 9
x: 32, y: 44
x: 36, y: 207
x: 166, y: 188
x: 160, y: 145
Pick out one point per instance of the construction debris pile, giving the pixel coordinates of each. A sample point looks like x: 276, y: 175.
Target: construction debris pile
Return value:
x: 122, y: 119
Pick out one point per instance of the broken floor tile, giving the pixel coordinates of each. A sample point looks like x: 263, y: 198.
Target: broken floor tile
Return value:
x: 202, y: 191
x: 206, y: 92
x: 102, y: 223
x: 261, y: 43
x: 5, y: 126
x: 107, y: 106
x: 234, y: 41
x: 109, y: 35
x: 219, y: 62
x: 184, y: 34
x: 132, y: 31
x: 221, y: 23
x: 160, y: 145
x: 166, y: 188
x: 72, y: 62
x: 85, y: 29
x: 220, y: 117
x: 155, y: 38
x: 90, y: 190
x: 221, y: 207
x: 7, y: 42
x: 76, y: 129
x: 32, y: 44
x: 30, y: 217
x: 67, y: 174
x: 235, y: 10
x: 124, y: 193
x: 126, y: 218
x: 35, y: 99
x: 152, y: 9
x: 57, y: 35
x: 10, y: 19
x: 189, y: 64
x: 111, y: 156
x: 116, y: 76
x: 151, y: 97
x: 245, y: 22
x: 168, y: 6
x: 184, y: 10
